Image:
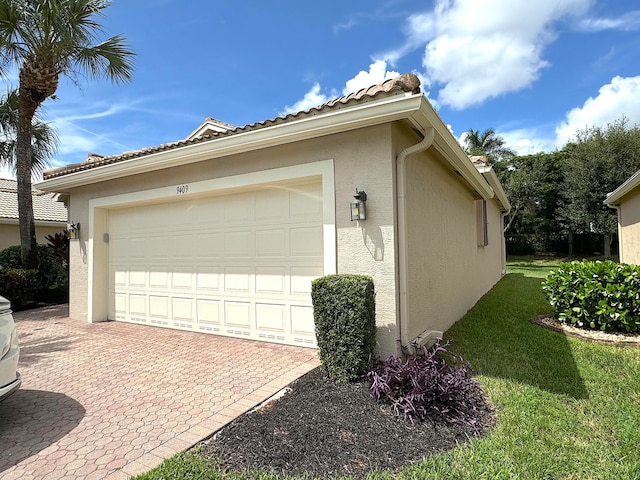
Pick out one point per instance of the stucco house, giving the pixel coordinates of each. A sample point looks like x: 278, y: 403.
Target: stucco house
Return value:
x: 223, y: 232
x: 50, y: 215
x: 626, y: 200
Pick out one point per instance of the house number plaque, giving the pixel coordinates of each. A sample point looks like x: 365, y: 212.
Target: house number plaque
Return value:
x: 182, y: 189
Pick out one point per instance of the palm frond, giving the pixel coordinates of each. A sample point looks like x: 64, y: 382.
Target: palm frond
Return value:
x: 111, y: 58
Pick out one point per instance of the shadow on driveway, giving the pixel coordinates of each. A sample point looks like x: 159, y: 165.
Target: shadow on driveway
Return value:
x: 32, y: 420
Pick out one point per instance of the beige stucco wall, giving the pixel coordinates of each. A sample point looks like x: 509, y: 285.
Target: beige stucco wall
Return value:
x: 10, y: 233
x: 629, y: 228
x: 362, y: 159
x: 447, y: 271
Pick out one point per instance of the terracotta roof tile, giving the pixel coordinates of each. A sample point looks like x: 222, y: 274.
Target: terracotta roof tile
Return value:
x: 401, y: 85
x: 45, y: 207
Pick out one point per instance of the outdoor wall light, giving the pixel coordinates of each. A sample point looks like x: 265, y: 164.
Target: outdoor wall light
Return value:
x: 359, y: 206
x: 73, y: 231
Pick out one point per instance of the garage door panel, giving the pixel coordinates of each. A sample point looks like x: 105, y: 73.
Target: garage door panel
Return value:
x: 301, y: 278
x: 302, y: 325
x: 238, y: 209
x: 306, y: 241
x: 138, y: 279
x: 270, y: 317
x: 182, y: 280
x: 137, y: 307
x: 306, y: 202
x: 238, y: 244
x: 236, y: 264
x: 237, y: 314
x: 208, y: 280
x: 271, y: 279
x: 237, y: 279
x: 158, y: 279
x: 271, y: 243
x: 120, y: 306
x: 159, y: 308
x: 208, y: 312
x: 209, y: 245
x: 119, y: 276
x: 182, y: 311
x: 271, y: 206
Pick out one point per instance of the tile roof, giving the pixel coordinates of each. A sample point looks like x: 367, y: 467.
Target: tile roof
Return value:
x: 401, y: 85
x: 45, y: 207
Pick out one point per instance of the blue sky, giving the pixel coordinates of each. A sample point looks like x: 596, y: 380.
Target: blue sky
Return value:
x: 535, y: 71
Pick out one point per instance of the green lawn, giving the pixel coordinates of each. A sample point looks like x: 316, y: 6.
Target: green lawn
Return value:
x: 566, y: 409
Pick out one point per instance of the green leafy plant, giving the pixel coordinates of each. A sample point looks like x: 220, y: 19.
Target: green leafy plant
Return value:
x: 21, y: 287
x: 344, y: 316
x: 51, y: 275
x: 597, y: 295
x: 425, y: 386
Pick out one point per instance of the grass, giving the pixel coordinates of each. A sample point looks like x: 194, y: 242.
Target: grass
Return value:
x: 567, y: 409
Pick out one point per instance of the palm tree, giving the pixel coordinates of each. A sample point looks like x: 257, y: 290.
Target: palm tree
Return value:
x: 45, y: 39
x: 488, y: 144
x: 44, y: 142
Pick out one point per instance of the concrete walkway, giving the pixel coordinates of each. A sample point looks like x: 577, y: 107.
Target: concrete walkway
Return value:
x: 112, y: 400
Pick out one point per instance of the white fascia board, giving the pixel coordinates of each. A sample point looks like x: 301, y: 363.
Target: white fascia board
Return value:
x: 336, y: 121
x: 448, y: 146
x: 631, y: 183
x: 490, y: 174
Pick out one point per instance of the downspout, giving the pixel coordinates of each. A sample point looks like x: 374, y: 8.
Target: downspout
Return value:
x: 402, y: 267
x: 503, y: 244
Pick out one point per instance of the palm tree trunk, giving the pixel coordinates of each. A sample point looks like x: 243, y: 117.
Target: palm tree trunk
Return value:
x: 28, y: 242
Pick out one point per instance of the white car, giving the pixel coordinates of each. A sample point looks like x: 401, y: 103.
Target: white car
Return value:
x: 9, y: 351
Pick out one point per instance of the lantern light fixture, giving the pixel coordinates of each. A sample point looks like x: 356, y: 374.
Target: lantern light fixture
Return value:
x: 73, y: 231
x: 359, y: 206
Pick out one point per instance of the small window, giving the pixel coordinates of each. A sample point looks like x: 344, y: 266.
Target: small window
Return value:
x: 481, y: 223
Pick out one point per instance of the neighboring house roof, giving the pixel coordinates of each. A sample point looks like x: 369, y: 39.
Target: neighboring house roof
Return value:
x: 45, y: 206
x: 392, y: 100
x: 630, y: 184
x: 487, y: 171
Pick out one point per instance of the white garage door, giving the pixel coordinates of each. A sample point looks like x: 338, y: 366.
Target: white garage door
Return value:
x: 237, y: 264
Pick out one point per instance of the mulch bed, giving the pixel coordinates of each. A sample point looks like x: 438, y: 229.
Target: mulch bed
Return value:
x: 321, y: 429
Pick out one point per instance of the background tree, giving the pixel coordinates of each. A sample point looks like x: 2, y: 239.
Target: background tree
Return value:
x: 598, y: 162
x: 488, y: 144
x: 45, y: 39
x: 44, y: 141
x: 532, y: 184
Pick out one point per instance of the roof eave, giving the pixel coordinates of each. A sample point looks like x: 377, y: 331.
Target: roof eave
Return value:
x: 363, y: 115
x: 630, y: 184
x: 450, y: 149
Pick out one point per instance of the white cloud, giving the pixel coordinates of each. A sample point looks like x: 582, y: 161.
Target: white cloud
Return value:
x: 311, y: 99
x: 377, y: 73
x: 526, y: 141
x: 477, y: 50
x: 626, y: 22
x: 619, y: 98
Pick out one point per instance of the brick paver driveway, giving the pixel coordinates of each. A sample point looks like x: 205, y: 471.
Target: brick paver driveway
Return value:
x: 111, y: 400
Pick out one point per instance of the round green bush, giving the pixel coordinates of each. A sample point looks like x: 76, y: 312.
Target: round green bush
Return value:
x: 596, y: 295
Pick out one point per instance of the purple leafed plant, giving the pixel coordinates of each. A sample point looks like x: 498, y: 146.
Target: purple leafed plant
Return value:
x: 426, y: 386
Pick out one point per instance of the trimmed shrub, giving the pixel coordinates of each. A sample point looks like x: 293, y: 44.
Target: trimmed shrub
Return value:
x: 21, y: 287
x: 597, y: 295
x: 425, y: 386
x: 52, y: 274
x: 344, y: 316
